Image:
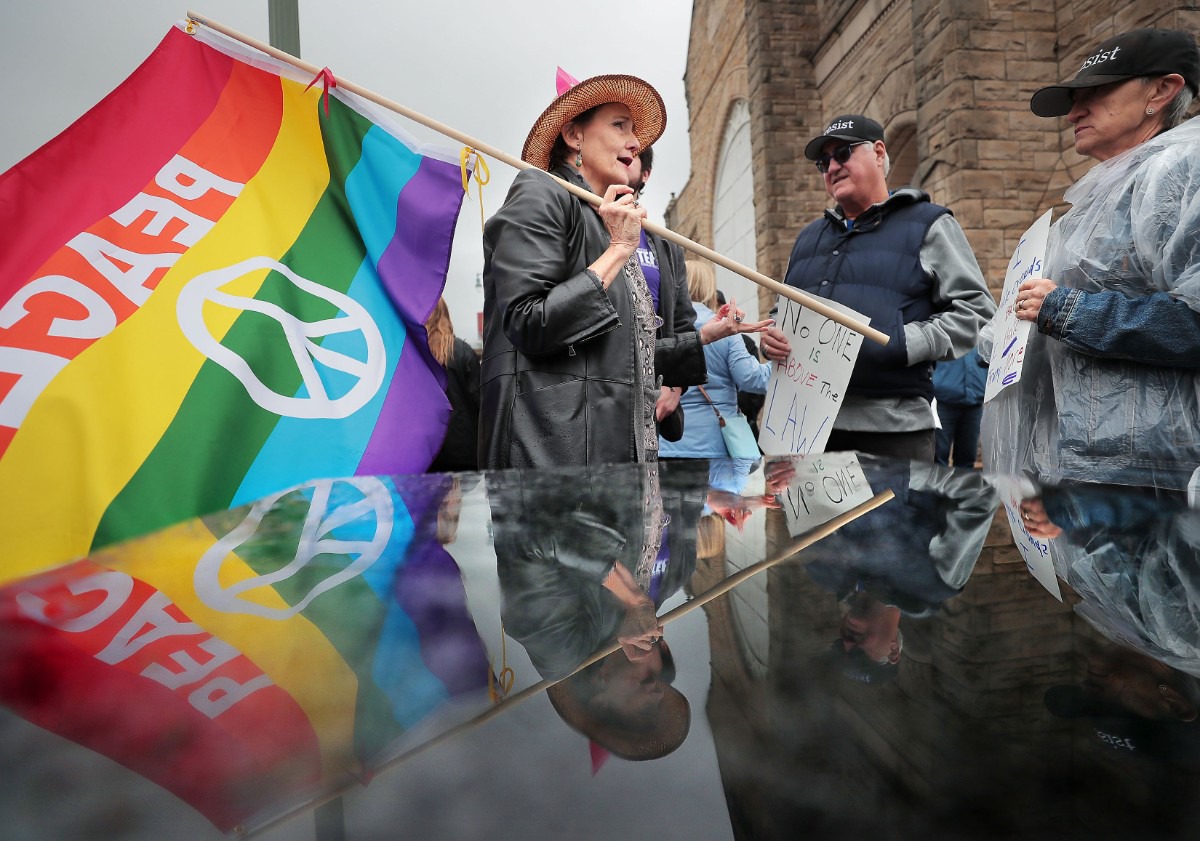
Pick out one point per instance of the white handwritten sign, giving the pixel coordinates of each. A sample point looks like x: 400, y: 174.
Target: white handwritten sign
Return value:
x: 806, y: 391
x: 1012, y: 334
x: 1034, y: 550
x: 824, y: 486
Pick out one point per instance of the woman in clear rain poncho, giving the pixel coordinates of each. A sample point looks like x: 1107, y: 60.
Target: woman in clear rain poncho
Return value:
x: 1111, y: 381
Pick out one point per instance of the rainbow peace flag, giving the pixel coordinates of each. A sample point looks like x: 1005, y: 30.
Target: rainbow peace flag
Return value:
x: 257, y: 659
x: 212, y: 290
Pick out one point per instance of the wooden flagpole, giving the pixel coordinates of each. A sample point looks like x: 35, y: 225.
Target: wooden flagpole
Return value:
x: 815, y: 304
x: 786, y: 553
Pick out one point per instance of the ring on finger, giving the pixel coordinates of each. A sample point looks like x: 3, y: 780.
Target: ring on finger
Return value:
x: 738, y: 319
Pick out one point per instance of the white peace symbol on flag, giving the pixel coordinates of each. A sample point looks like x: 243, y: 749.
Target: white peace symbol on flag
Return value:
x: 300, y: 337
x: 319, y: 523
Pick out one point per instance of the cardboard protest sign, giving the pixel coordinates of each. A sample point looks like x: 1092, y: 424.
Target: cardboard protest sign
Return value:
x: 1034, y: 550
x: 1011, y: 334
x: 823, y: 487
x: 806, y: 391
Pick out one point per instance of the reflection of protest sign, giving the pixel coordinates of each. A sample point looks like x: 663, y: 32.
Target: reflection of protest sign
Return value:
x: 1011, y: 334
x: 1034, y: 550
x: 805, y: 393
x: 823, y: 487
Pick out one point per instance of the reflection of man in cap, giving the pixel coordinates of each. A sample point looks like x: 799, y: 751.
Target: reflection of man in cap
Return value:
x: 903, y: 262
x: 869, y: 641
x: 904, y: 558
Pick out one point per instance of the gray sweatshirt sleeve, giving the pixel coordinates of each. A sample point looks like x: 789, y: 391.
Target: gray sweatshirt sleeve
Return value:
x: 960, y: 296
x: 956, y: 549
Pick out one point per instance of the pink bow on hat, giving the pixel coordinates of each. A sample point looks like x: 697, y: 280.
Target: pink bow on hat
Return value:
x: 599, y: 756
x: 564, y: 81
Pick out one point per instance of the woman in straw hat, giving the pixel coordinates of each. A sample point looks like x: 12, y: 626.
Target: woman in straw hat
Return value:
x: 573, y: 353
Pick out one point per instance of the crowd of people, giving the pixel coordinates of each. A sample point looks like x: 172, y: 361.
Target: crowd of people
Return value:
x: 603, y: 344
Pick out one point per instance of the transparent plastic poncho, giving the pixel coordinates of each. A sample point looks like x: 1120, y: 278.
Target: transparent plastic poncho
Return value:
x: 1141, y: 590
x: 1133, y: 228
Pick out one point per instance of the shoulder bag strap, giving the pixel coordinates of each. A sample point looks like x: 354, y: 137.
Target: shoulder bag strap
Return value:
x: 720, y: 420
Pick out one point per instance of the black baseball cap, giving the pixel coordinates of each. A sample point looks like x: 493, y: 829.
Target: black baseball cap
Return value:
x: 1126, y: 735
x: 1142, y: 52
x: 857, y: 666
x: 851, y: 127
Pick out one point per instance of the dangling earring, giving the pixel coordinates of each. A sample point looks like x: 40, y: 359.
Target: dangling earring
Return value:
x: 579, y: 157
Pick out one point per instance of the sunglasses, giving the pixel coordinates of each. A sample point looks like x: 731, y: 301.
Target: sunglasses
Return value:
x: 841, y: 154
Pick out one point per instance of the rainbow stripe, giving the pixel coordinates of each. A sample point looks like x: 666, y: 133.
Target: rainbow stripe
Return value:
x: 210, y: 291
x: 256, y: 658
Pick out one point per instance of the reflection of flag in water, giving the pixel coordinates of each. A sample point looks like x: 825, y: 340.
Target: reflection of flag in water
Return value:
x: 253, y: 657
x: 211, y: 291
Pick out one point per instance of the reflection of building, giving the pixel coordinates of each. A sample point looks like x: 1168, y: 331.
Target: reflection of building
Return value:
x: 960, y: 739
x: 949, y: 81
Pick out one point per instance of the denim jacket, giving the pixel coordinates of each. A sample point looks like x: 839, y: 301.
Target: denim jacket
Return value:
x: 1110, y: 391
x: 1132, y: 558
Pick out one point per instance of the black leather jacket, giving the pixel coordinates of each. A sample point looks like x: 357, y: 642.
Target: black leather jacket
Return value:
x: 559, y: 533
x: 559, y: 379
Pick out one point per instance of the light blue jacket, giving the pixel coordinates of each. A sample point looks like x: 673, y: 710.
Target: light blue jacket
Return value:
x: 731, y: 368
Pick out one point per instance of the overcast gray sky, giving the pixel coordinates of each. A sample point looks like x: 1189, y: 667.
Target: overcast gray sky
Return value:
x: 484, y: 68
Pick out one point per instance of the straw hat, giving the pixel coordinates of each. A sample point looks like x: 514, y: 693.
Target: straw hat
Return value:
x: 643, y: 101
x: 668, y: 732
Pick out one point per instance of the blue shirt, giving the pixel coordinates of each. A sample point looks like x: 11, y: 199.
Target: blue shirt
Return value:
x: 731, y: 368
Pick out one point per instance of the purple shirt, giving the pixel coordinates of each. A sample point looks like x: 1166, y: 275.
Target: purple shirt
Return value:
x: 649, y: 262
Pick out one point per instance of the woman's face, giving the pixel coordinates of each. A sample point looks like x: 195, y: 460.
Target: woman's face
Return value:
x: 1111, y: 119
x: 608, y: 146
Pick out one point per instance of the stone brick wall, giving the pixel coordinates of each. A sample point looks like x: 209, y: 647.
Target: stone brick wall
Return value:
x: 715, y: 79
x: 958, y: 73
x: 785, y: 111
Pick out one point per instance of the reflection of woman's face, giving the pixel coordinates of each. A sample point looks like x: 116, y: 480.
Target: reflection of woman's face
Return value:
x: 609, y: 147
x: 633, y: 690
x: 1129, y: 683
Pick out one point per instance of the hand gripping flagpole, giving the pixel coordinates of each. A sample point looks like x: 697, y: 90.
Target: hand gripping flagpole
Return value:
x: 815, y: 304
x: 786, y: 553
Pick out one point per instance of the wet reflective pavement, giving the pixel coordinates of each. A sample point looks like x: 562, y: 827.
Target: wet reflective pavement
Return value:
x: 825, y: 648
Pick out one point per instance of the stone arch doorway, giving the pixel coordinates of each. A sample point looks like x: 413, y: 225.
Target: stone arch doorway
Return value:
x: 902, y: 149
x: 734, y: 232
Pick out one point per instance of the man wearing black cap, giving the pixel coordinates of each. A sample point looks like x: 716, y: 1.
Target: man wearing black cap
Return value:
x: 903, y: 262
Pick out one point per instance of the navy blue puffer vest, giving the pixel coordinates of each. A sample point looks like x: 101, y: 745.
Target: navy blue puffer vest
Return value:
x: 874, y: 268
